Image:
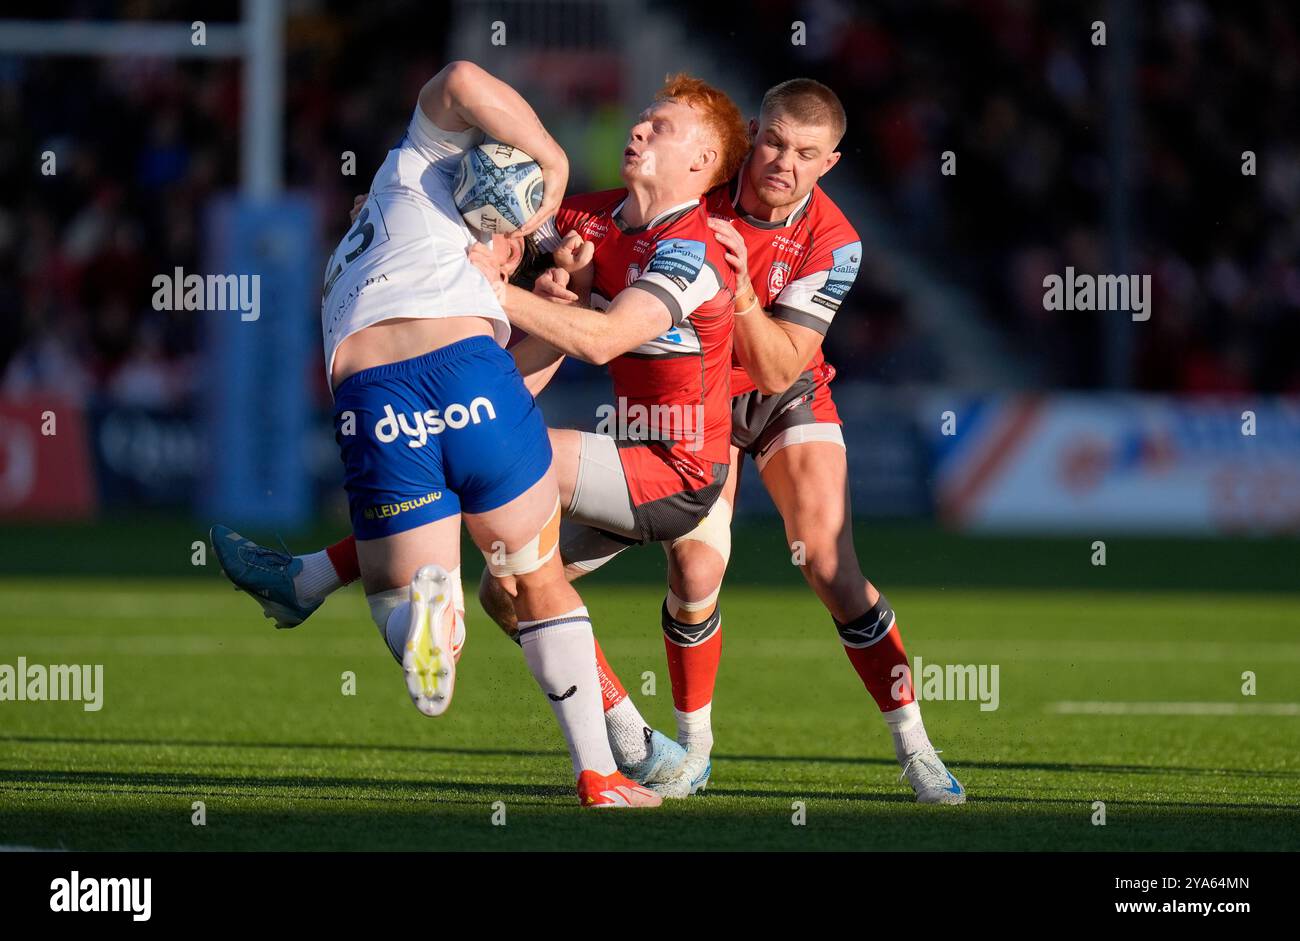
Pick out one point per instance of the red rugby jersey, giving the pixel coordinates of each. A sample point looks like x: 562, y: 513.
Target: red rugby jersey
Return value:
x: 801, y: 268
x: 677, y: 259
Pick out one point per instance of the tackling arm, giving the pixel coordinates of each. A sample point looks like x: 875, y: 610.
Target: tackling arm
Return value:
x: 773, y: 351
x: 634, y: 317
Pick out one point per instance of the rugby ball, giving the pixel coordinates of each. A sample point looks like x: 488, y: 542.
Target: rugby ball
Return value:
x: 498, y: 187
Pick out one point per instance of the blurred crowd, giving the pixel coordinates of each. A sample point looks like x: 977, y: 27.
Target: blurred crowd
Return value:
x: 1016, y: 89
x: 139, y: 146
x: 1022, y: 96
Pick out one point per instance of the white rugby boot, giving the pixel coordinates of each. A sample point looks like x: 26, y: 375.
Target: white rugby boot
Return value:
x: 932, y: 782
x: 430, y: 652
x: 691, y: 777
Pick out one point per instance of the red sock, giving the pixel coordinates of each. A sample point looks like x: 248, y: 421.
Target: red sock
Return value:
x: 611, y: 690
x: 343, y: 556
x: 693, y: 654
x: 882, y: 666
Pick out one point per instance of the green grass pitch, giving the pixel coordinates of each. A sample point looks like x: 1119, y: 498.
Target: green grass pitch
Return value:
x: 203, y: 701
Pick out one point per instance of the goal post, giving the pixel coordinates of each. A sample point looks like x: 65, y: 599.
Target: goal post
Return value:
x: 254, y: 409
x: 257, y: 40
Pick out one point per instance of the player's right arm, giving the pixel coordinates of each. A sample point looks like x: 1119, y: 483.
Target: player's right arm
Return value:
x: 773, y: 351
x: 634, y: 317
x: 775, y: 347
x: 678, y: 279
x: 463, y: 95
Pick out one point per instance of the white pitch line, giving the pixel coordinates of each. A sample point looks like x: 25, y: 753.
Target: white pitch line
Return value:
x: 1175, y: 708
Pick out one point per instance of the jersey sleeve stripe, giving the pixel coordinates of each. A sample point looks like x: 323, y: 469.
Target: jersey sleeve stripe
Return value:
x: 802, y: 318
x: 661, y: 355
x: 666, y: 296
x: 690, y: 295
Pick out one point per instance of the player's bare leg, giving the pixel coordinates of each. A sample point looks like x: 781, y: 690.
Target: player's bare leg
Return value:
x: 691, y: 618
x: 291, y: 588
x: 642, y: 753
x: 497, y: 593
x: 820, y: 532
x: 520, y: 542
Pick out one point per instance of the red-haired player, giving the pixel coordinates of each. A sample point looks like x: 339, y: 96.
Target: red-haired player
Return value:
x: 796, y: 256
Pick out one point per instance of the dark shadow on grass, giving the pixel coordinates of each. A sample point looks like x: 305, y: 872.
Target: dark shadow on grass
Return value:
x: 1025, y: 766
x: 190, y: 785
x: 1062, y: 767
x: 276, y: 746
x: 902, y: 797
x: 921, y: 556
x: 796, y: 792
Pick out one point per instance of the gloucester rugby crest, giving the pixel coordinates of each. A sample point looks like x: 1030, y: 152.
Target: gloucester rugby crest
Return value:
x: 776, y: 277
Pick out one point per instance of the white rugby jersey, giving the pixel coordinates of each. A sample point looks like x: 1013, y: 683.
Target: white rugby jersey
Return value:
x: 405, y: 254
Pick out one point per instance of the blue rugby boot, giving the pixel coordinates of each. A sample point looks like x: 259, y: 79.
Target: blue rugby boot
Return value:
x: 264, y: 574
x: 663, y: 759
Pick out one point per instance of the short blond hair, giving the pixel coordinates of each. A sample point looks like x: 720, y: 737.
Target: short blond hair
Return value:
x: 807, y: 101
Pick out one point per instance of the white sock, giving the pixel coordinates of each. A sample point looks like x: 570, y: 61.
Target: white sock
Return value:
x: 695, y: 728
x: 908, y: 730
x: 629, y: 736
x: 317, y: 578
x: 561, y: 653
x: 399, y: 622
x: 382, y: 605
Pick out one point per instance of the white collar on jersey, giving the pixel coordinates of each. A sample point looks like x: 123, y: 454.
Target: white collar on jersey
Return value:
x: 657, y: 220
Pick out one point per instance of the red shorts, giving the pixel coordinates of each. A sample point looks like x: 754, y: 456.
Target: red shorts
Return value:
x: 757, y: 420
x: 670, y: 492
x: 628, y: 494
